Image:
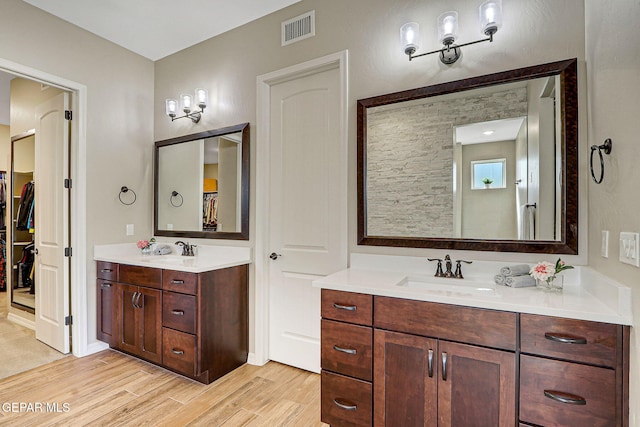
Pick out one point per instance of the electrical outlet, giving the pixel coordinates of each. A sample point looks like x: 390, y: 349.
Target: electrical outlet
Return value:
x: 129, y: 229
x: 604, y: 246
x: 630, y: 248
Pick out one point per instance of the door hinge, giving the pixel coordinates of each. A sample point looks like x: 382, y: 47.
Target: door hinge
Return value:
x: 68, y: 115
x: 68, y: 183
x: 68, y: 320
x: 68, y: 252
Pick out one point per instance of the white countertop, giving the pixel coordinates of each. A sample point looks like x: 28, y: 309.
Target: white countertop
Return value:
x: 587, y: 294
x: 208, y: 257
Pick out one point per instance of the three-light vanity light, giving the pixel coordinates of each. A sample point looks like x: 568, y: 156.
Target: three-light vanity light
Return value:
x: 186, y: 104
x: 490, y: 20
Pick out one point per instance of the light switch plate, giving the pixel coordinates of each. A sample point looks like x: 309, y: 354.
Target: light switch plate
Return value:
x: 129, y: 229
x: 604, y: 246
x: 630, y: 248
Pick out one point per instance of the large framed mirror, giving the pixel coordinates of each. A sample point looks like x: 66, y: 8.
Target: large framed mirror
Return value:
x: 488, y: 163
x: 201, y: 185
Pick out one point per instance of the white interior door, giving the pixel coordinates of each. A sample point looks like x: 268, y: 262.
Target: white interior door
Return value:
x: 51, y: 223
x: 307, y: 210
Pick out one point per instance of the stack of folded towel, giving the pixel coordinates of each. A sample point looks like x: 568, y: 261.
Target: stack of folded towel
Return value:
x: 515, y: 276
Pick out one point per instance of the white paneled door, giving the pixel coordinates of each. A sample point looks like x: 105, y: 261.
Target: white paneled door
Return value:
x: 307, y: 209
x: 51, y: 223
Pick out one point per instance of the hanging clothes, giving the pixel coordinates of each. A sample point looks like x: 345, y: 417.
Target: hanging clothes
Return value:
x: 210, y: 211
x: 25, y: 216
x: 3, y: 200
x: 3, y: 265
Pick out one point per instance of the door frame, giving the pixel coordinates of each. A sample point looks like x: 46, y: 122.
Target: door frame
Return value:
x: 77, y: 197
x: 339, y: 60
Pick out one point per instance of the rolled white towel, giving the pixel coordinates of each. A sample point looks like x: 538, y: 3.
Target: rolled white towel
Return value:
x: 520, y: 281
x: 499, y: 279
x: 515, y: 270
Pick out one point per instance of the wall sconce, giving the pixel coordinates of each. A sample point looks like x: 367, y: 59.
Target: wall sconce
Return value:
x: 490, y: 19
x: 186, y: 105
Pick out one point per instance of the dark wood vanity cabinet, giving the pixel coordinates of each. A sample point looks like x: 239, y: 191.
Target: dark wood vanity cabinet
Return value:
x: 436, y: 367
x: 446, y: 365
x: 193, y: 323
x: 137, y: 312
x: 107, y: 274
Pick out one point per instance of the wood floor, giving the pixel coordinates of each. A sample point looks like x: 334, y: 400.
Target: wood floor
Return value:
x: 113, y: 389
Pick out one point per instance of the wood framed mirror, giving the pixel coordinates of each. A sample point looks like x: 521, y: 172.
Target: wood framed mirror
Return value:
x: 424, y: 153
x: 201, y: 185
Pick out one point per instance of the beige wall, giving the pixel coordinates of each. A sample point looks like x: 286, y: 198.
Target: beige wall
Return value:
x: 614, y: 205
x: 5, y: 148
x: 119, y: 131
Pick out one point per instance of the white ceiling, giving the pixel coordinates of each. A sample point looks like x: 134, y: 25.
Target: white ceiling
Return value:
x: 502, y: 130
x: 158, y: 28
x: 151, y: 28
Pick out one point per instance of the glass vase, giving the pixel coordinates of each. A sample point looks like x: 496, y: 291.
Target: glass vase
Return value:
x: 146, y: 251
x: 554, y: 284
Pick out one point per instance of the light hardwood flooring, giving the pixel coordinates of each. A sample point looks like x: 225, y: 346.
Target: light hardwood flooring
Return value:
x: 114, y: 389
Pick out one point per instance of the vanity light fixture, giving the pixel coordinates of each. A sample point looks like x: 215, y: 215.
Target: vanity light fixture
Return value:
x: 490, y: 20
x: 186, y: 104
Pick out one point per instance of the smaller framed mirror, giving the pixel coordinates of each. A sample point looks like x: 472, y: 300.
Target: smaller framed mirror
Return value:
x: 201, y: 185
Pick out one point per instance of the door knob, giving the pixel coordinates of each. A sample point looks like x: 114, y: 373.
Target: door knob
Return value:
x: 274, y: 256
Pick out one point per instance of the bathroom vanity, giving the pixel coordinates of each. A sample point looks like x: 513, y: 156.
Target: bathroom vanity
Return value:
x: 403, y: 350
x: 187, y: 314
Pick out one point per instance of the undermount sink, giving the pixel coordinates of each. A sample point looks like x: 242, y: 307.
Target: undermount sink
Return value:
x: 450, y: 286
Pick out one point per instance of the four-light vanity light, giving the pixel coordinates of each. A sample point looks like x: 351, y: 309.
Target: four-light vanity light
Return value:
x: 490, y: 19
x: 187, y: 105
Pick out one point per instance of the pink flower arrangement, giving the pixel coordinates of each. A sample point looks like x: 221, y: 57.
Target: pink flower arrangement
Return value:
x: 144, y: 244
x: 546, y: 271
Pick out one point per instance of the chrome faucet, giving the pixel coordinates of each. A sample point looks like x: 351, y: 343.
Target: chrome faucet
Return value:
x: 448, y: 273
x: 187, y: 249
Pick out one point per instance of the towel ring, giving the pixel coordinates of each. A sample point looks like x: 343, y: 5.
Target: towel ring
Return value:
x: 606, y: 147
x: 174, y: 193
x: 123, y: 190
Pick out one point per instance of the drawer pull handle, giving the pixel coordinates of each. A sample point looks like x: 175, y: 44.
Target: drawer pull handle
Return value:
x: 444, y: 366
x: 345, y: 350
x: 565, y: 339
x: 430, y: 364
x: 178, y: 352
x: 563, y: 397
x: 177, y: 282
x: 347, y: 406
x: 345, y: 307
x: 105, y: 285
x: 178, y: 312
x: 106, y: 270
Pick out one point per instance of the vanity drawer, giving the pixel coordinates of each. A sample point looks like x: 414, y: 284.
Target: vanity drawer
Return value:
x: 347, y: 349
x: 143, y: 276
x: 569, y: 339
x: 488, y: 328
x: 179, y: 311
x: 179, y: 351
x: 180, y: 281
x: 347, y: 307
x: 107, y: 271
x: 345, y: 401
x: 592, y: 391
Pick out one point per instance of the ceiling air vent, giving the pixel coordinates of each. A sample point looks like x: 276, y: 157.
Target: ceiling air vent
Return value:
x: 299, y: 28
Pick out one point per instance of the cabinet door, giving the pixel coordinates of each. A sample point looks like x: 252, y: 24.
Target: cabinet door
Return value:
x: 105, y: 292
x: 476, y: 386
x: 405, y: 389
x: 150, y: 324
x: 126, y: 327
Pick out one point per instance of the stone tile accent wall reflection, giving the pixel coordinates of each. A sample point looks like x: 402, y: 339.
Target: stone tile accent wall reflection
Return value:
x: 410, y: 160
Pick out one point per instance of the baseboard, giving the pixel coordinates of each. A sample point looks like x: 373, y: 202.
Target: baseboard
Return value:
x: 21, y: 321
x: 95, y: 347
x: 252, y: 359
